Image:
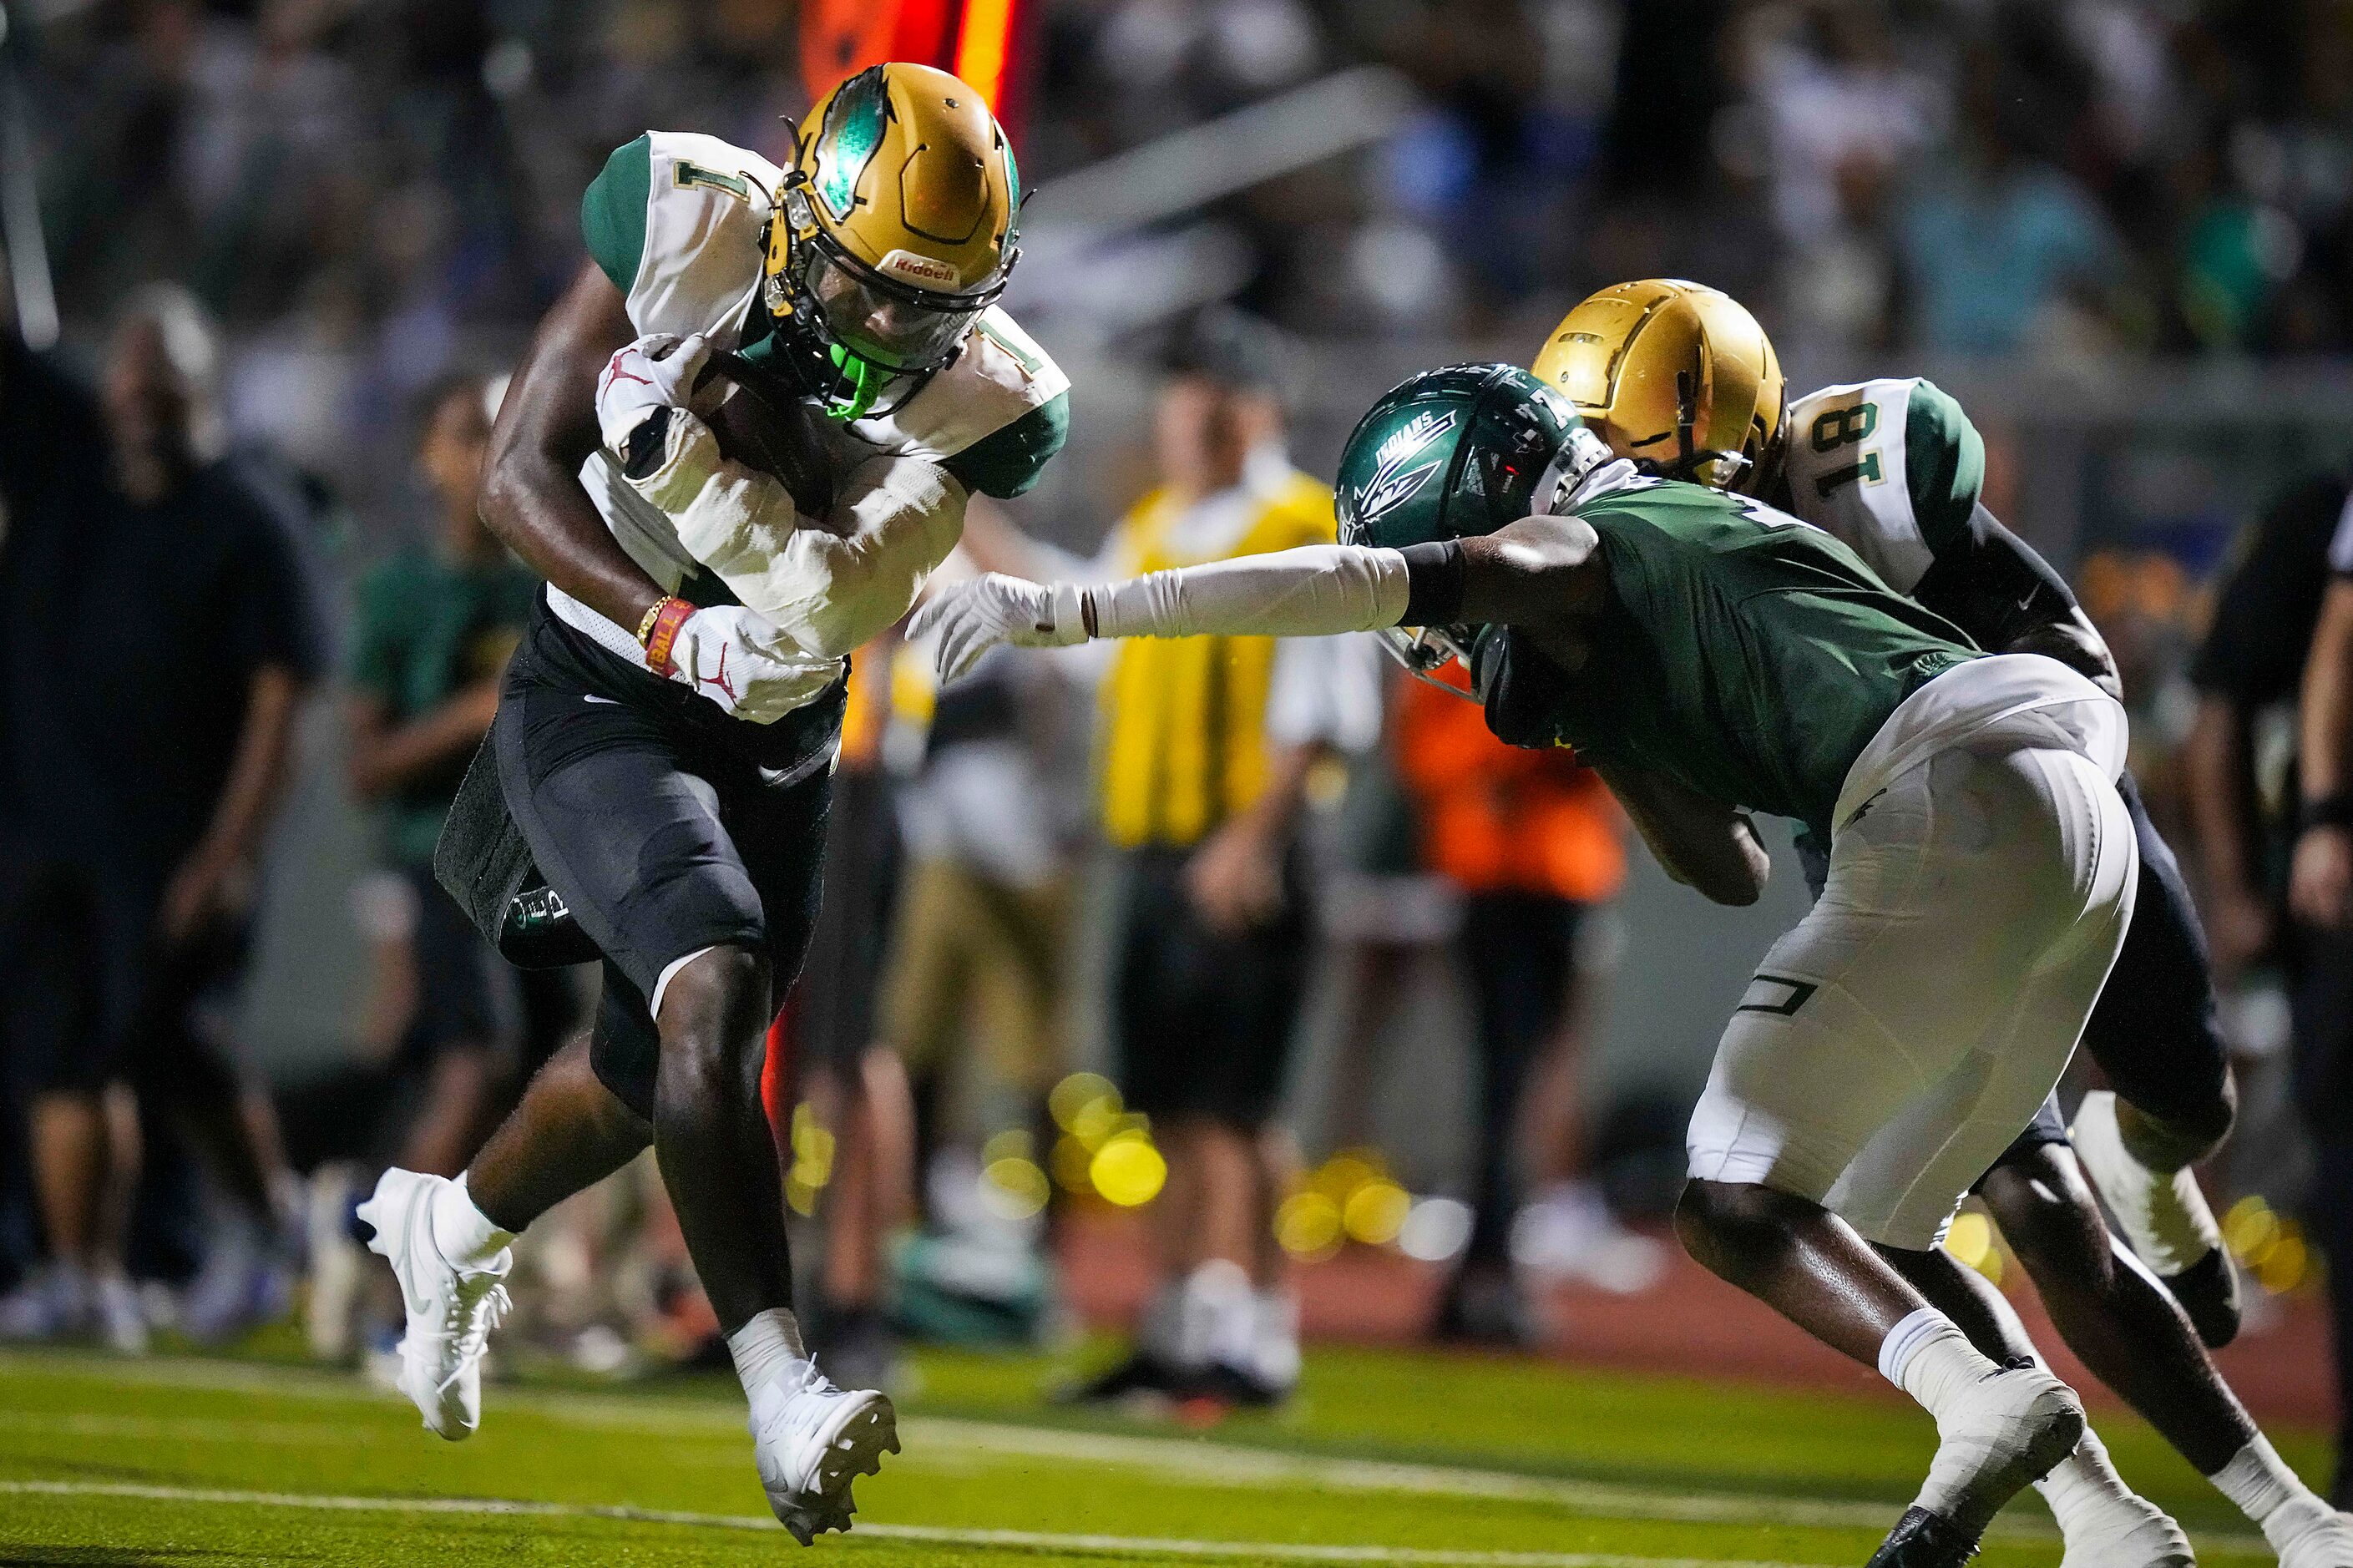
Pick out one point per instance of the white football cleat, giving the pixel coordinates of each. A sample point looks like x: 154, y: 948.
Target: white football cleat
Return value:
x: 811, y: 1440
x: 2133, y: 1533
x: 451, y: 1311
x: 2325, y: 1540
x: 2015, y: 1426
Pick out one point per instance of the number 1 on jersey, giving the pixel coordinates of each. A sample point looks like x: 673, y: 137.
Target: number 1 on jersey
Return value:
x: 1866, y: 470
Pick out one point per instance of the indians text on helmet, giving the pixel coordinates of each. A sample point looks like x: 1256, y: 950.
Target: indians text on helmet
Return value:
x: 1392, y: 482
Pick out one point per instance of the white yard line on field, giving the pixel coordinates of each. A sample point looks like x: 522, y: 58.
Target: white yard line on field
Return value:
x: 1016, y: 1539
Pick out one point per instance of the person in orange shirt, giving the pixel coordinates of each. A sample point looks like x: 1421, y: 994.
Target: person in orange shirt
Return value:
x: 1534, y: 843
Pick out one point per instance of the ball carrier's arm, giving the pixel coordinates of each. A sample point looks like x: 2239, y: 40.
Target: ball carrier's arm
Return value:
x: 531, y: 497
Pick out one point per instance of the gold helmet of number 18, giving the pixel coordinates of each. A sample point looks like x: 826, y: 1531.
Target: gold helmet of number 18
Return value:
x: 1677, y: 376
x: 894, y: 228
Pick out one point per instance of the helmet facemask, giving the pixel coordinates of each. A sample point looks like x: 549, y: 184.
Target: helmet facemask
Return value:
x: 858, y: 330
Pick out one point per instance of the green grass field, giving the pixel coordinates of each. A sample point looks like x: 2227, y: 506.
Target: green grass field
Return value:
x: 1389, y: 1457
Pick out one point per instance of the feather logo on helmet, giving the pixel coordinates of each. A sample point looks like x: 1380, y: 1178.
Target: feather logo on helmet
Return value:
x: 1392, y: 482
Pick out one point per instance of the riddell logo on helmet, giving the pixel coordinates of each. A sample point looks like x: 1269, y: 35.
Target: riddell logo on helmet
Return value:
x: 924, y: 269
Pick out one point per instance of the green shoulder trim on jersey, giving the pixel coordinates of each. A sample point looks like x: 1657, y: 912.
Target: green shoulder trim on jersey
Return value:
x: 613, y: 211
x: 1006, y: 462
x: 1944, y: 461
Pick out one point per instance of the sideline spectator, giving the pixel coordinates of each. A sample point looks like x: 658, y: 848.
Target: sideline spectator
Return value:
x: 2279, y: 862
x: 436, y: 625
x: 854, y: 1083
x: 2001, y: 248
x: 160, y: 634
x: 1534, y: 843
x: 2320, y: 910
x: 1206, y: 744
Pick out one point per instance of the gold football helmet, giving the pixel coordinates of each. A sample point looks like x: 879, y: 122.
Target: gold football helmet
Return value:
x: 1677, y: 376
x: 896, y: 227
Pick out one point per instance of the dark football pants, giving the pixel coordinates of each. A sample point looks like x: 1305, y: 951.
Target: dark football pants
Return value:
x: 666, y: 825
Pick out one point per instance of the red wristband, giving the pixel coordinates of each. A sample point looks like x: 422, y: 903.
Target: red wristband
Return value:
x: 661, y: 632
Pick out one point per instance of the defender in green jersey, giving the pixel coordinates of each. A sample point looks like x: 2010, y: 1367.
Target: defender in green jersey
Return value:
x: 1712, y: 657
x: 1893, y: 469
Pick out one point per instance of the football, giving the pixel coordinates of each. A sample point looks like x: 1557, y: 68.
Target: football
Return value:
x: 767, y: 426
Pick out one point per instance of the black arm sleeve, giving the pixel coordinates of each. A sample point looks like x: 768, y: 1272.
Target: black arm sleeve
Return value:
x: 1433, y: 583
x: 1996, y: 587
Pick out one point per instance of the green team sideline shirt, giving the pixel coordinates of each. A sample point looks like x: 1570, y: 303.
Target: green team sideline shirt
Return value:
x: 1745, y: 654
x: 428, y: 628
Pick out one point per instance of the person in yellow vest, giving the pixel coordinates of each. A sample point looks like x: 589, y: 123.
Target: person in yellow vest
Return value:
x: 1206, y: 745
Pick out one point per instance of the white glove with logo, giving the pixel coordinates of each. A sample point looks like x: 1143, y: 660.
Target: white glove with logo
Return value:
x: 972, y: 618
x: 660, y: 369
x: 741, y: 662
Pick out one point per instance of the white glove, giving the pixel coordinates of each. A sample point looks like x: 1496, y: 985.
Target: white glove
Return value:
x: 741, y: 662
x: 659, y: 371
x: 972, y: 618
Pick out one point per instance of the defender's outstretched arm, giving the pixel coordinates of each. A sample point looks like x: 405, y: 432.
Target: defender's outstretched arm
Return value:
x: 1540, y: 572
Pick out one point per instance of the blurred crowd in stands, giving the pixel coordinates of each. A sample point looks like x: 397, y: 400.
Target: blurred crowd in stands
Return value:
x: 372, y: 191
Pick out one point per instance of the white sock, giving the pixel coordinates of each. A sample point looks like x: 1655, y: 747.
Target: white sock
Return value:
x: 2084, y: 1485
x: 1275, y: 1353
x: 1220, y: 1318
x: 768, y: 1346
x: 464, y: 1232
x: 1929, y: 1359
x: 2266, y: 1490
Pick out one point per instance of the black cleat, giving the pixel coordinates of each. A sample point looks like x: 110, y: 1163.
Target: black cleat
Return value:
x: 1924, y: 1539
x: 1229, y: 1387
x: 1142, y: 1376
x: 2209, y: 1291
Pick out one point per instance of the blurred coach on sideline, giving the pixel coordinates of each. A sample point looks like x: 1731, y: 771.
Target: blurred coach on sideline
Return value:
x: 157, y: 631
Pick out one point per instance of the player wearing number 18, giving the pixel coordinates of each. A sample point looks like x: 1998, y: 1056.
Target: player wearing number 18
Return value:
x: 1683, y: 380
x: 1710, y: 656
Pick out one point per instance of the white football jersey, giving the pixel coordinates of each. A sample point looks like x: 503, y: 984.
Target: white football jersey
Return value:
x: 1892, y: 468
x: 675, y: 221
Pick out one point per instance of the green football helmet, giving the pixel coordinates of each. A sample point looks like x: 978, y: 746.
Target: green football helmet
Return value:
x: 1454, y: 453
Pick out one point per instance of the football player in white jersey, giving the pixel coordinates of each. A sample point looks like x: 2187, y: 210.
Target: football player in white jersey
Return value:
x: 1682, y: 378
x: 666, y: 732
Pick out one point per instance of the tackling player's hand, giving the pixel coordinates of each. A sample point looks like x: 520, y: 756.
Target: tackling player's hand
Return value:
x: 972, y: 618
x: 660, y: 370
x: 734, y: 658
x: 2320, y: 878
